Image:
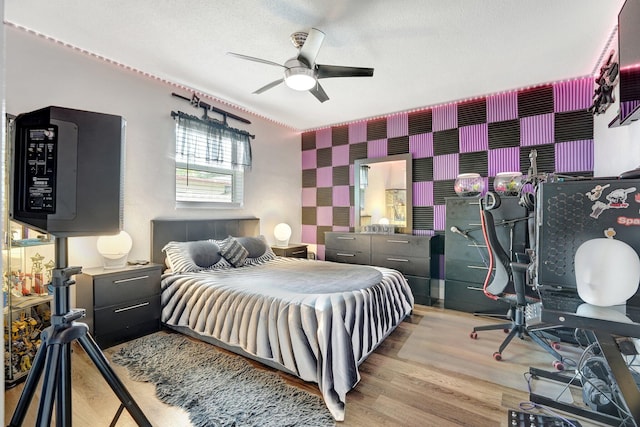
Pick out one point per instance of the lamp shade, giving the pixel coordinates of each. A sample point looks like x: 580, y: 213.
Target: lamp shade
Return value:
x: 115, y: 249
x: 282, y: 233
x: 299, y: 78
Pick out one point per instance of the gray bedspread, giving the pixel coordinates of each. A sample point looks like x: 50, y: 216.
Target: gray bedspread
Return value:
x: 316, y: 319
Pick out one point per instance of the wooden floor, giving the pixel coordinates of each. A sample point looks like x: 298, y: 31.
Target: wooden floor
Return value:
x: 427, y: 373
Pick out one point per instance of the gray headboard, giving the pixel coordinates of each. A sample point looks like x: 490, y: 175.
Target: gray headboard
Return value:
x: 184, y: 230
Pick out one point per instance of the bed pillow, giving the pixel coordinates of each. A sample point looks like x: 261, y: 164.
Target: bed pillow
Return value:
x: 234, y: 252
x: 258, y: 248
x: 193, y: 256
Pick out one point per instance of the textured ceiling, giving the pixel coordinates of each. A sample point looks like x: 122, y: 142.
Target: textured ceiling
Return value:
x: 425, y: 52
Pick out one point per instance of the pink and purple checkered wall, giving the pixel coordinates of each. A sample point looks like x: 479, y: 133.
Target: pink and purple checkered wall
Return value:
x: 485, y: 135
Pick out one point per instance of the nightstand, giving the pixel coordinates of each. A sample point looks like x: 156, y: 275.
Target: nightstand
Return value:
x: 294, y: 250
x: 121, y: 304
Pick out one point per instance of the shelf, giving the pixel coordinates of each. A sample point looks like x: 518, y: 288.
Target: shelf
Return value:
x: 29, y: 301
x: 23, y: 243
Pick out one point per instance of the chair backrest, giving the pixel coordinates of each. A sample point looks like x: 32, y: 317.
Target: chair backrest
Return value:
x: 503, y: 275
x: 607, y: 272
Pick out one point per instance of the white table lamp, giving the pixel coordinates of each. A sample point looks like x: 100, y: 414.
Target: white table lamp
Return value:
x: 282, y: 233
x: 115, y: 249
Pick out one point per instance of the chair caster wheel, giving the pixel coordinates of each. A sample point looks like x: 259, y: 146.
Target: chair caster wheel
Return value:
x: 497, y: 356
x: 556, y: 345
x: 558, y: 365
x: 506, y: 331
x: 473, y: 335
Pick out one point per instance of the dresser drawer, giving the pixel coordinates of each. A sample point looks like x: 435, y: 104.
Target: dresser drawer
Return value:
x: 465, y: 270
x: 125, y: 316
x: 346, y: 256
x: 464, y: 296
x: 120, y: 287
x: 349, y: 242
x: 401, y: 245
x: 404, y: 264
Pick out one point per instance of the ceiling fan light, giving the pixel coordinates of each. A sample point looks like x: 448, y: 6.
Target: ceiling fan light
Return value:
x: 299, y: 78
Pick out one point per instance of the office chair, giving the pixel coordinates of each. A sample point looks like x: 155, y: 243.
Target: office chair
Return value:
x: 508, y: 275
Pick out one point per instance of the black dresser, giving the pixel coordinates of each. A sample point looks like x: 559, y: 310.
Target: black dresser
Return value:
x: 466, y: 257
x: 411, y: 255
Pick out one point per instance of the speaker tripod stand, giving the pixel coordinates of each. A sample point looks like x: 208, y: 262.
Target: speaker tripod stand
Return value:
x: 53, y: 358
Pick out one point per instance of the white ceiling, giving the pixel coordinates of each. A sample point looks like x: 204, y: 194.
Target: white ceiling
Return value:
x: 425, y: 52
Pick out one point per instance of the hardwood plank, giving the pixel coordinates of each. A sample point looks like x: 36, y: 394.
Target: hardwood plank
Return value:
x: 426, y: 373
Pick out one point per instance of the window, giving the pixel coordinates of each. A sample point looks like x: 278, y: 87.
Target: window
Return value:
x: 211, y: 159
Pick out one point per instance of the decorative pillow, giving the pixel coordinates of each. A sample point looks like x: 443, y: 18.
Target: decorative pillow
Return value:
x: 193, y: 256
x: 234, y: 252
x: 259, y: 250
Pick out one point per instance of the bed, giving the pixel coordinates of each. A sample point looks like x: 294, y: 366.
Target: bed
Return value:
x: 316, y: 320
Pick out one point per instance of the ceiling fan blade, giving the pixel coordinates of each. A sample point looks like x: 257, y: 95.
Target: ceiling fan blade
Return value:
x: 327, y: 71
x: 251, y: 58
x: 269, y: 86
x: 319, y: 93
x: 311, y: 47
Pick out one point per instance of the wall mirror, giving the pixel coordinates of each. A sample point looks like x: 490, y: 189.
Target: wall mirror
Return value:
x: 383, y: 192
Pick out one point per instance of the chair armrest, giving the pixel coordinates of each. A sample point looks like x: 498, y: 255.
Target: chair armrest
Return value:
x: 519, y: 270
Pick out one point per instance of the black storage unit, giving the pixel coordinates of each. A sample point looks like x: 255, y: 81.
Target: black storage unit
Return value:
x: 121, y: 304
x: 411, y: 255
x: 467, y: 259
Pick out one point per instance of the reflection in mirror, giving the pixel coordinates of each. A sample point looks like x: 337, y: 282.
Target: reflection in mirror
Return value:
x: 383, y: 192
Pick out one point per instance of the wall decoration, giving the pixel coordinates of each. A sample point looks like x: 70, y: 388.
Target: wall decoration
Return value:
x: 605, y: 82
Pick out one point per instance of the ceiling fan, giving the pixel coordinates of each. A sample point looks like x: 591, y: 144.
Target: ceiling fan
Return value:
x: 302, y: 72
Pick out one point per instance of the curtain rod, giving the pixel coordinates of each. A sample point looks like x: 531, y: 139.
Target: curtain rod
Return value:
x: 195, y: 101
x: 210, y: 121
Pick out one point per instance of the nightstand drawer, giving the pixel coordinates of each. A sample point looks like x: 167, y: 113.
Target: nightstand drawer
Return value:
x: 120, y: 287
x: 127, y: 316
x: 292, y: 251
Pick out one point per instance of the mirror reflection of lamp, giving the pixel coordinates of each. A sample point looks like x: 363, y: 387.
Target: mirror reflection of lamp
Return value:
x: 282, y: 233
x: 364, y: 183
x: 115, y: 249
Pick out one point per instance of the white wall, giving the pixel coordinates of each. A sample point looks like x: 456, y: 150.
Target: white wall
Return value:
x: 40, y: 73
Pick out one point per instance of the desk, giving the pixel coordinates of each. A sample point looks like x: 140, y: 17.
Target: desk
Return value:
x: 605, y: 332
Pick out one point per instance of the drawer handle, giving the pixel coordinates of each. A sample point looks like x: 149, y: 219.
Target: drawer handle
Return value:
x: 131, y: 279
x: 474, y: 288
x: 477, y: 267
x: 132, y: 307
x: 474, y: 245
x: 346, y: 238
x: 398, y: 259
x: 297, y: 252
x: 340, y: 254
x: 397, y: 241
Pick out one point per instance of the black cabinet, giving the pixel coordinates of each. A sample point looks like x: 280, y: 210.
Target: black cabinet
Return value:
x: 121, y: 304
x: 466, y: 256
x: 406, y: 253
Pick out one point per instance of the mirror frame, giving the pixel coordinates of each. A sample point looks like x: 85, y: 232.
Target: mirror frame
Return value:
x: 408, y: 159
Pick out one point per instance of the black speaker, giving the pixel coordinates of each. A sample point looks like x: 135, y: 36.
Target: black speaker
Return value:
x: 68, y: 171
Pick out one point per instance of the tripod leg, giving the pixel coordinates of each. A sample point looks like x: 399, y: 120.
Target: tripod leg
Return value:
x: 45, y: 408
x: 101, y: 362
x: 30, y: 385
x: 63, y: 405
